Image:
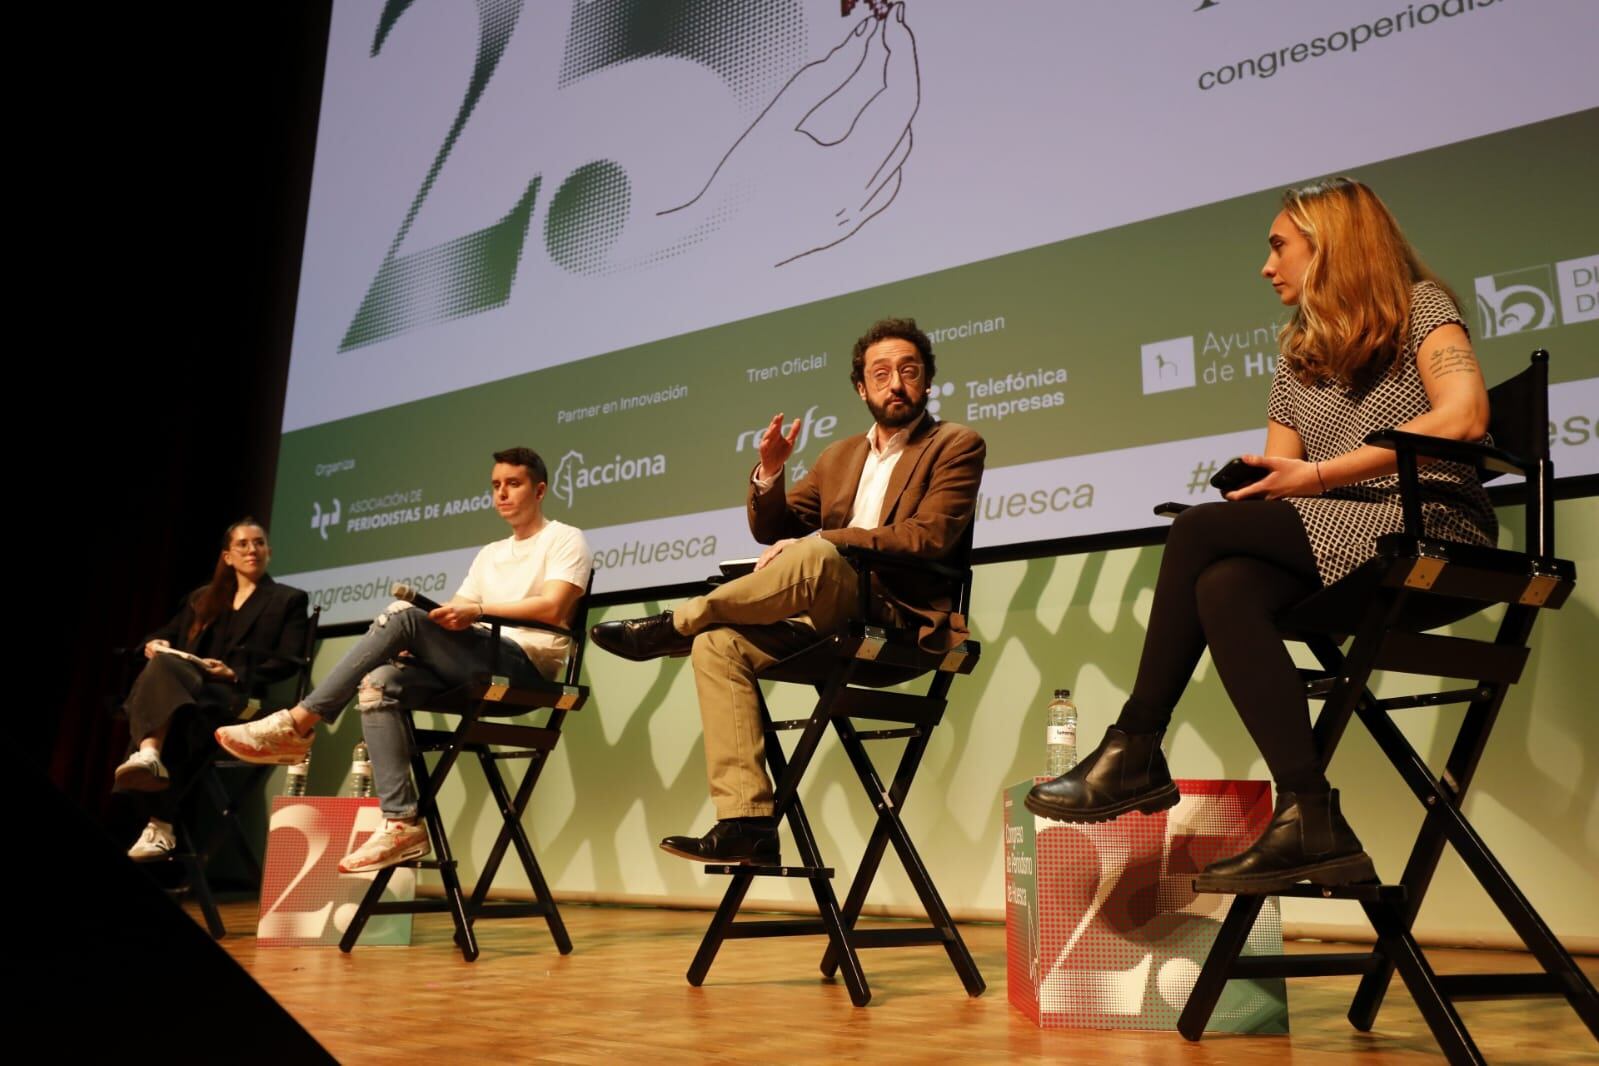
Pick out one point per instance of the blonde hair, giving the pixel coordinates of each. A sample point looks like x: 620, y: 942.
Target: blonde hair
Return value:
x: 1354, y: 302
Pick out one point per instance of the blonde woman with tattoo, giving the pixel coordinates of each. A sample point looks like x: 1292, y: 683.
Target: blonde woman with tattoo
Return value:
x: 1375, y: 341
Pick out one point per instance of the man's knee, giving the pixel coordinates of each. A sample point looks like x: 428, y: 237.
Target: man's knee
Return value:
x: 398, y: 613
x: 824, y: 553
x: 811, y: 556
x: 835, y: 584
x: 834, y: 576
x: 380, y: 690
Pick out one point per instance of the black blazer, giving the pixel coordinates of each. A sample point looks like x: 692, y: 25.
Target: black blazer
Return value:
x: 269, y: 634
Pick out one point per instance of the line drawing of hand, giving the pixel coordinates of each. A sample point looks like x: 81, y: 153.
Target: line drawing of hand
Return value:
x: 826, y: 155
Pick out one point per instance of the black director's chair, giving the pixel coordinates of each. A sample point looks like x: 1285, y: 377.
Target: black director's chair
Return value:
x: 225, y: 784
x: 487, y: 697
x: 1413, y: 585
x: 850, y: 671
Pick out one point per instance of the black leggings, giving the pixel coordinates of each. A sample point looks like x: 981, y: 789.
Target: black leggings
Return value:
x: 1228, y: 570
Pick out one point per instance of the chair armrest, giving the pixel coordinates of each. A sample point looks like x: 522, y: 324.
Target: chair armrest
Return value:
x: 731, y: 569
x: 496, y: 622
x: 256, y: 655
x: 869, y: 557
x: 872, y: 557
x: 256, y: 677
x: 866, y: 560
x: 1169, y: 509
x: 1408, y: 447
x: 1459, y: 451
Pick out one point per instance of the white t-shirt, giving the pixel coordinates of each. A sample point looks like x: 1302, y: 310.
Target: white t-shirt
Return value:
x: 512, y: 569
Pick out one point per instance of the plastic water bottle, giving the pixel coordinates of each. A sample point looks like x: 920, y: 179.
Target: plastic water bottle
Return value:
x: 360, y: 772
x: 299, y: 774
x: 1061, y: 741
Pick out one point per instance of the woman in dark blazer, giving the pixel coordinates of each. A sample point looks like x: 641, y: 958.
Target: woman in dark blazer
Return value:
x: 231, y: 639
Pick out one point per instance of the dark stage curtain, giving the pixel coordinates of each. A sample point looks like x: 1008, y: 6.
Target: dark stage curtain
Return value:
x: 183, y: 185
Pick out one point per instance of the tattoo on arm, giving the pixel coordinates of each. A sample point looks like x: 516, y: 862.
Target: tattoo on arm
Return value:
x: 1453, y: 359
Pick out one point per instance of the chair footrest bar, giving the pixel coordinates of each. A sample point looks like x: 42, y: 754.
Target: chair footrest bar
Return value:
x: 1368, y: 893
x: 775, y: 927
x: 898, y: 938
x: 509, y: 909
x: 887, y: 734
x: 1434, y: 655
x: 769, y: 871
x: 1435, y: 699
x: 884, y: 705
x: 790, y: 723
x: 433, y: 739
x: 1499, y: 985
x: 415, y: 906
x: 1317, y: 687
x: 1332, y: 964
x: 511, y: 735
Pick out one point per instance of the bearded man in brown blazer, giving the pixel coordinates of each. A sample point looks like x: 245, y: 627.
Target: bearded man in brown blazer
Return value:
x: 908, y: 485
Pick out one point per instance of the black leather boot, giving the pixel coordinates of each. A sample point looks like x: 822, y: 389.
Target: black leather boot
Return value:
x: 1127, y: 772
x: 1307, y: 840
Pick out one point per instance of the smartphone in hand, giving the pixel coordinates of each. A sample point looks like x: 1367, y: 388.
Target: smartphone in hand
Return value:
x: 1236, y: 474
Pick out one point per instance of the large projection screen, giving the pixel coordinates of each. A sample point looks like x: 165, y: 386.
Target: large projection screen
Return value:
x: 628, y: 232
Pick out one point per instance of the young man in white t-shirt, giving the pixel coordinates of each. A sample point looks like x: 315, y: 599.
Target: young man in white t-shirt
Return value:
x: 536, y: 574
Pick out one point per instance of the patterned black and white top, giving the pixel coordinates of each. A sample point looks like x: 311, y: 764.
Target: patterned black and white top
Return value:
x: 1343, y: 525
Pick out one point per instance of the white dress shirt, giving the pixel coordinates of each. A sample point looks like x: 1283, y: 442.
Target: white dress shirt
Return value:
x: 867, y: 510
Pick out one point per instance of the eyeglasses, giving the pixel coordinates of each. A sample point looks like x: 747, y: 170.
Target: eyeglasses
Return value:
x: 910, y: 374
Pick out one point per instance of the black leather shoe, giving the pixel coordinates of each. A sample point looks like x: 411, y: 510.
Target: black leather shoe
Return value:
x: 746, y: 840
x: 642, y: 639
x: 1307, y: 840
x: 1127, y: 772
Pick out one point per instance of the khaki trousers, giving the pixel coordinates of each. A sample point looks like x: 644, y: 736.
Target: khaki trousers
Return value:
x: 739, y: 629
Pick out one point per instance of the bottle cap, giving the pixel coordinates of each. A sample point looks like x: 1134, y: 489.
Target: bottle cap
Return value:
x: 1063, y: 694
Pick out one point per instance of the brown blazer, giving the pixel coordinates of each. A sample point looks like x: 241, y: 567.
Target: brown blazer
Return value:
x: 930, y: 502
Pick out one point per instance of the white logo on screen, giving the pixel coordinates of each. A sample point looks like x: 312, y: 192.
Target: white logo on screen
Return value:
x: 572, y: 474
x: 811, y: 425
x: 1579, y: 288
x: 561, y: 486
x: 1169, y: 365
x: 1516, y: 301
x: 321, y: 520
x: 934, y: 394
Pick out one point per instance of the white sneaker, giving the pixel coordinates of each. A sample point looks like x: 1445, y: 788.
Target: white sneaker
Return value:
x: 156, y: 842
x: 142, y: 772
x: 395, y: 842
x: 272, y: 740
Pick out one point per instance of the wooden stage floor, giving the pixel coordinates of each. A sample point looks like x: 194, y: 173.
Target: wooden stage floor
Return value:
x: 621, y: 995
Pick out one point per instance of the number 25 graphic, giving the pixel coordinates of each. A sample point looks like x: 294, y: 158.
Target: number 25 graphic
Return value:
x: 745, y: 44
x: 473, y: 272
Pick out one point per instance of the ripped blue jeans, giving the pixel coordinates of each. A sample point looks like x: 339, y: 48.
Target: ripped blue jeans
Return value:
x: 386, y: 688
